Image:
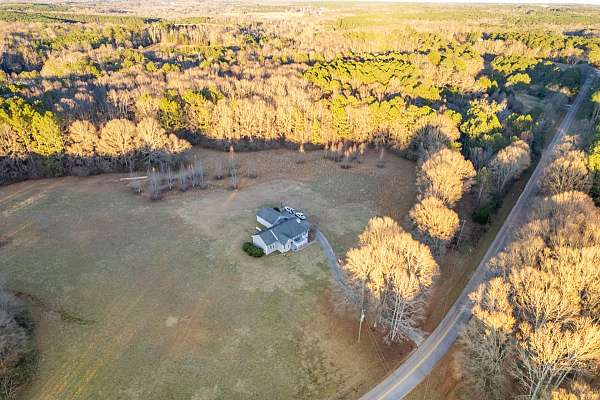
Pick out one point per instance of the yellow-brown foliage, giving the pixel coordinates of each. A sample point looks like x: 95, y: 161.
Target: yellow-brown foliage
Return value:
x: 82, y: 139
x: 390, y: 268
x: 538, y: 320
x: 432, y: 218
x: 567, y: 172
x: 445, y: 175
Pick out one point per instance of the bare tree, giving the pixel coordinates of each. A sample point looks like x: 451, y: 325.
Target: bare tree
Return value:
x: 197, y: 174
x: 339, y: 152
x: 537, y: 321
x: 346, y: 160
x: 117, y: 140
x: 392, y: 273
x: 567, y: 172
x: 185, y: 179
x: 232, y: 161
x: 445, y: 175
x: 361, y: 152
x: 508, y: 164
x: 301, y: 154
x: 234, y: 179
x: 435, y: 135
x: 576, y: 390
x: 326, y: 151
x: 435, y: 223
x: 169, y: 176
x: 381, y: 161
x: 82, y: 139
x: 219, y: 170
x: 155, y: 185
x: 486, y: 341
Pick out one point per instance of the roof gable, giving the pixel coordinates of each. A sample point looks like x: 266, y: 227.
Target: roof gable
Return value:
x: 268, y: 237
x: 290, y: 229
x: 269, y: 214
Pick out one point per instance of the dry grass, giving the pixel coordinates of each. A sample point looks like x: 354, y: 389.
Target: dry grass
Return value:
x: 162, y: 302
x: 529, y: 102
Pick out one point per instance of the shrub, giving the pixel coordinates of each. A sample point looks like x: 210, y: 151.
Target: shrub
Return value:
x: 16, y: 352
x: 252, y: 250
x: 483, y: 214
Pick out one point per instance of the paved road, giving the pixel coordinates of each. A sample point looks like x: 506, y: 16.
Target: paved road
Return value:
x: 404, y: 379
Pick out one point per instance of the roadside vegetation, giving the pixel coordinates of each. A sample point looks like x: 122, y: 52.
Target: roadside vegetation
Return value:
x: 535, y: 327
x: 534, y: 331
x: 593, y: 148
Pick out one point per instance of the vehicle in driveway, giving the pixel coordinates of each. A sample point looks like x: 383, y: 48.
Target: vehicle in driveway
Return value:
x: 300, y: 215
x: 283, y: 231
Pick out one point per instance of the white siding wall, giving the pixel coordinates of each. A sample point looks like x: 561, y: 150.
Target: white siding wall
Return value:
x: 257, y: 241
x: 283, y: 248
x: 278, y: 246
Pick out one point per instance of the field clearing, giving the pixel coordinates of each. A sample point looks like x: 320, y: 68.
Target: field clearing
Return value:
x: 529, y: 102
x: 141, y: 300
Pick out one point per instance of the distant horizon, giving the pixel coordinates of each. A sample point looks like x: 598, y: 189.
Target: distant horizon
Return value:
x: 460, y: 2
x: 463, y: 2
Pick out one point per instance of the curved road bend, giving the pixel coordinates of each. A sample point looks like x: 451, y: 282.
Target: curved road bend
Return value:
x: 415, y: 368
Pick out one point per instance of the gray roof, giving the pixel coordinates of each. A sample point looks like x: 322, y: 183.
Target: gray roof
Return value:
x: 268, y: 237
x: 290, y: 229
x: 284, y: 231
x: 269, y: 214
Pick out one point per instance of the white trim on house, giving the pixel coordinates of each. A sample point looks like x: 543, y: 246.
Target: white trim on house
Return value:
x: 268, y: 249
x: 278, y: 236
x: 263, y: 222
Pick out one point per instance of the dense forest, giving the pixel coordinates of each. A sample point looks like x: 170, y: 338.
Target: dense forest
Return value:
x: 470, y: 94
x: 70, y: 82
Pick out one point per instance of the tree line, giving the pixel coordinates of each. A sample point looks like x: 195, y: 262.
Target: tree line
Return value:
x: 259, y: 85
x: 535, y: 330
x: 593, y: 150
x: 32, y: 144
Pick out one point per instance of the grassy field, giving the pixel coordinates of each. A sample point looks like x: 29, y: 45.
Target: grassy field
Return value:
x: 141, y: 300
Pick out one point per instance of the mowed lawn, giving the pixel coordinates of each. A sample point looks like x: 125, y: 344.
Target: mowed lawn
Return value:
x: 141, y: 300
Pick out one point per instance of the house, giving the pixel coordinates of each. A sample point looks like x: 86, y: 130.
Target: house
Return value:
x: 269, y: 216
x: 284, y: 231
